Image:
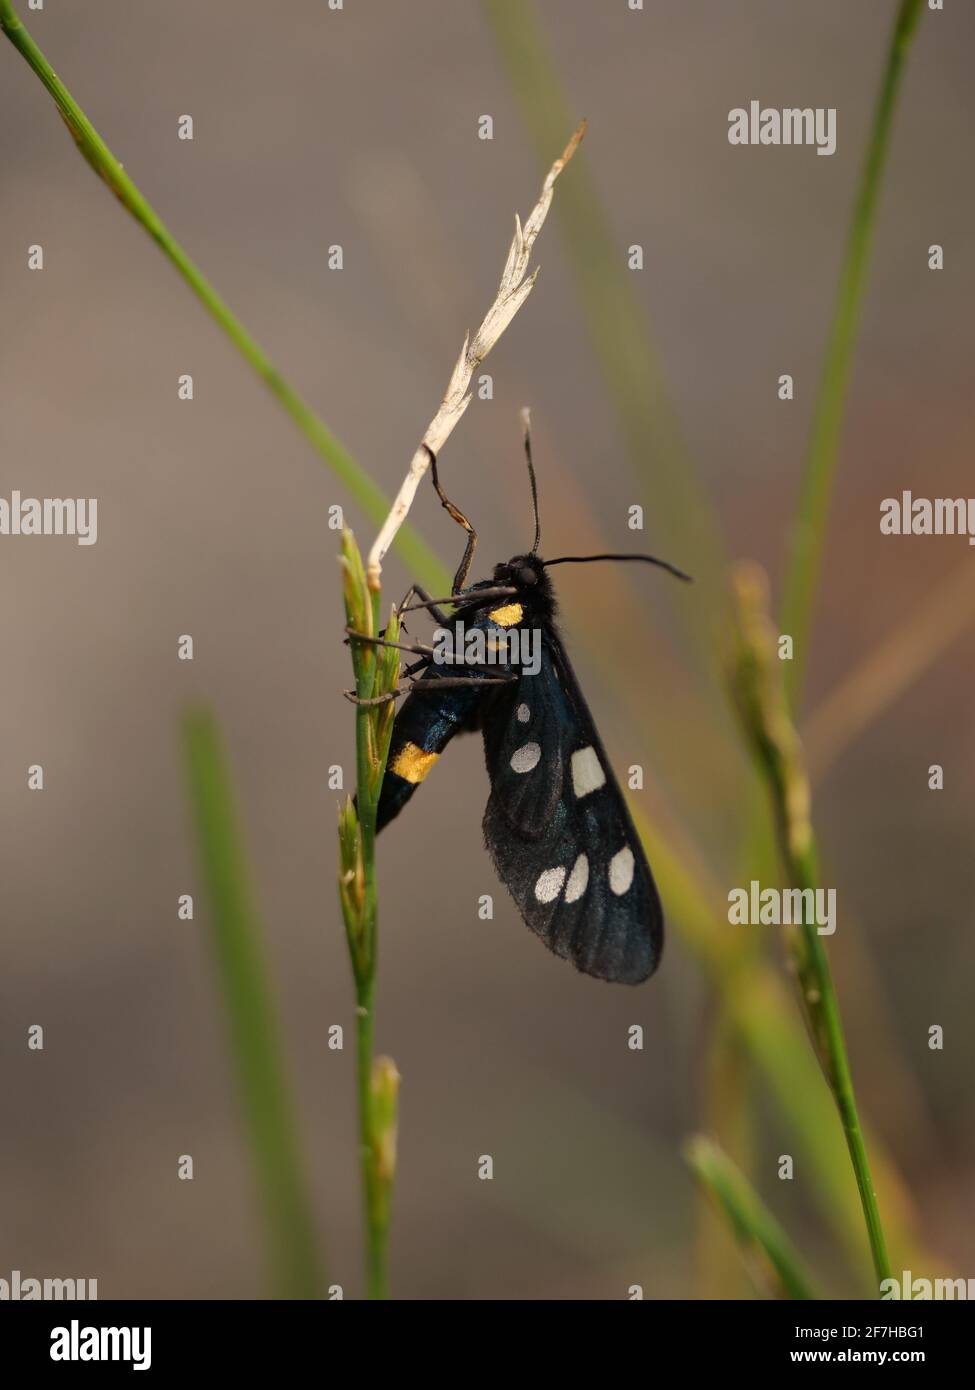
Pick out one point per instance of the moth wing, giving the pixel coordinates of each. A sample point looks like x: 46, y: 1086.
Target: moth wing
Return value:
x: 525, y: 755
x: 579, y: 875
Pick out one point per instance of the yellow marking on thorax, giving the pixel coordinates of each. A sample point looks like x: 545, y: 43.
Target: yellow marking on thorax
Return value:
x: 412, y: 764
x: 507, y: 615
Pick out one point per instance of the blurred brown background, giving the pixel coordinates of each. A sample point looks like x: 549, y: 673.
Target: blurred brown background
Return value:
x: 360, y: 128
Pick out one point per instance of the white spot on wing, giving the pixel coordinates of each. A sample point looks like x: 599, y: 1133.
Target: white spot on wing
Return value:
x: 549, y: 885
x: 578, y: 879
x: 526, y: 757
x: 621, y: 870
x: 523, y: 714
x: 587, y: 773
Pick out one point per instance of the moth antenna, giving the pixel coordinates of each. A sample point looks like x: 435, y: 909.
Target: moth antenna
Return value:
x: 647, y: 560
x: 526, y: 418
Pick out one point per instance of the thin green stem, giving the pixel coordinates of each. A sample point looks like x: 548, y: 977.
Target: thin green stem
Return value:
x: 820, y: 467
x: 816, y: 980
x: 376, y: 1218
x: 803, y: 567
x: 377, y: 1081
x: 235, y: 933
x: 366, y: 493
x: 374, y: 1206
x: 753, y: 1225
x: 759, y: 691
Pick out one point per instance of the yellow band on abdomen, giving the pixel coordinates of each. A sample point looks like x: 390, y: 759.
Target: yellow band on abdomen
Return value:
x: 412, y: 764
x: 508, y: 615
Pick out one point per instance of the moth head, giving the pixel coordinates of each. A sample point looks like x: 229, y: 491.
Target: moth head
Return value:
x: 525, y: 574
x: 522, y: 572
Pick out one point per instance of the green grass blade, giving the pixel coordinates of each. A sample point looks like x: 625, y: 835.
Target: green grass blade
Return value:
x: 765, y: 1019
x: 759, y: 690
x: 371, y: 498
x: 803, y: 565
x: 754, y: 1226
x: 820, y: 467
x: 235, y: 936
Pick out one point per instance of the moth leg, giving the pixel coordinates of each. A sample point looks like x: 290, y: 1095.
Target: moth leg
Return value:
x: 417, y: 648
x: 464, y: 599
x: 458, y: 682
x: 431, y: 604
x: 425, y: 653
x: 464, y: 567
x: 355, y: 699
x: 425, y: 688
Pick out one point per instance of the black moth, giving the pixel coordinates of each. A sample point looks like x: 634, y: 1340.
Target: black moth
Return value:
x: 556, y: 824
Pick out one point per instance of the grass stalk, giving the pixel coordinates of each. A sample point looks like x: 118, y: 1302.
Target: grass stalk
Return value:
x: 235, y: 934
x: 761, y: 1012
x: 754, y: 1227
x: 802, y: 573
x: 376, y: 672
x: 370, y: 497
x: 803, y: 566
x: 759, y: 692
